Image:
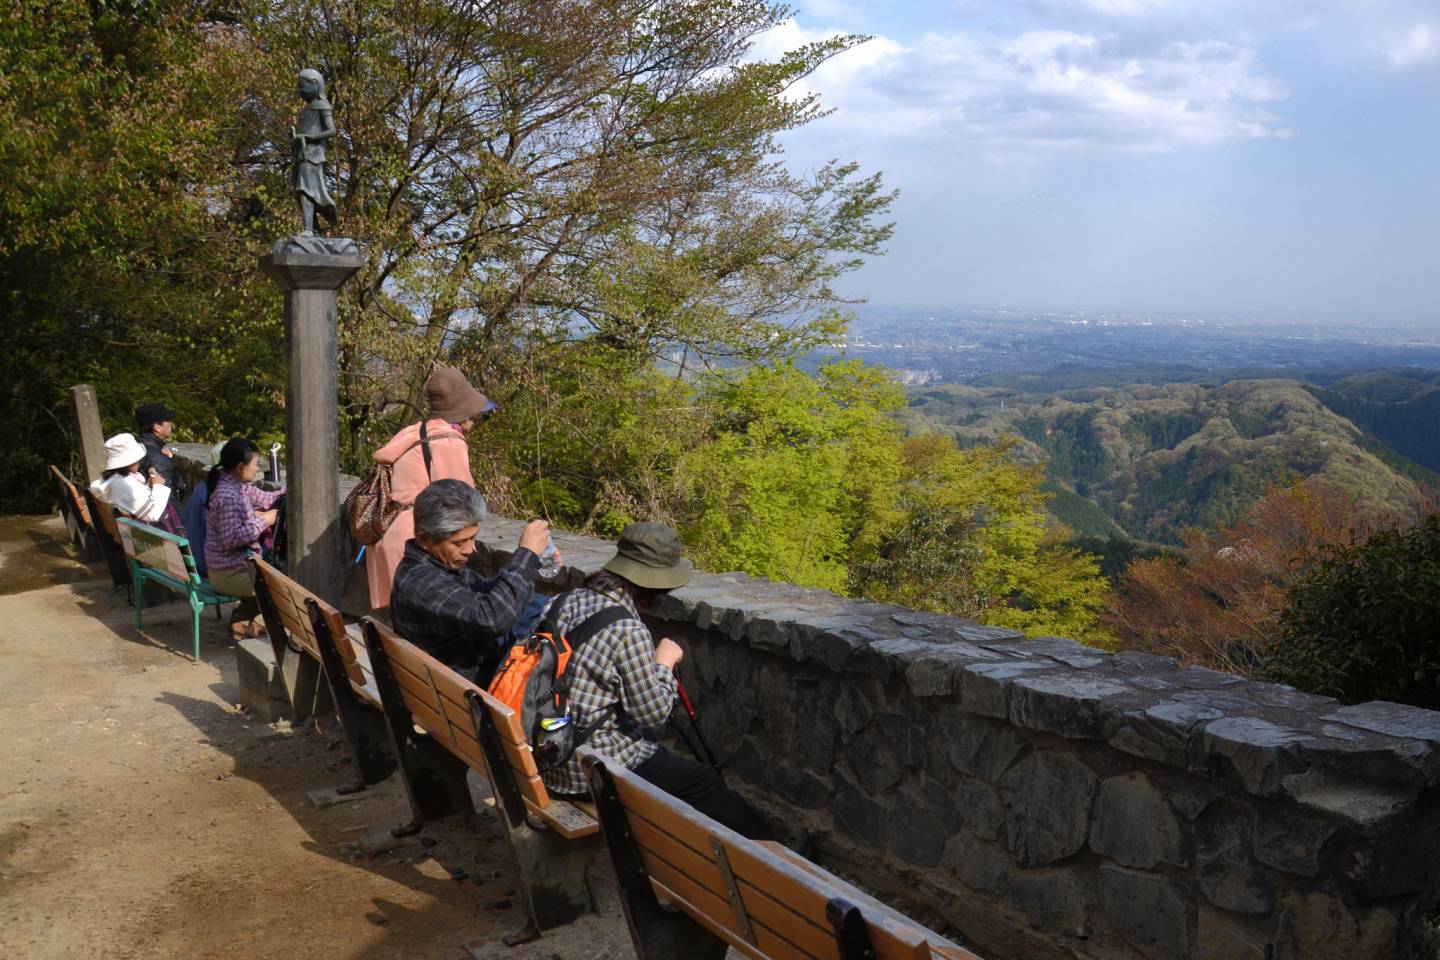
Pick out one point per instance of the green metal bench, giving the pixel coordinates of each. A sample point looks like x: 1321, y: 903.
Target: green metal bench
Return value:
x: 166, y: 559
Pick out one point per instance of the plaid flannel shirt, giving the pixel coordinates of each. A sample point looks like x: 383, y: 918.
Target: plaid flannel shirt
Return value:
x: 458, y: 616
x: 232, y: 522
x: 616, y: 666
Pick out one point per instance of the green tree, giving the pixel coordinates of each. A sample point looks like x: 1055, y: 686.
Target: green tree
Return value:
x: 797, y: 472
x: 122, y: 258
x: 970, y: 538
x: 595, y: 444
x: 529, y: 173
x: 523, y: 176
x: 1362, y: 625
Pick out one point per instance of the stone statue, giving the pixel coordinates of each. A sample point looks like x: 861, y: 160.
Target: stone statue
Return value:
x: 307, y: 143
x: 307, y: 172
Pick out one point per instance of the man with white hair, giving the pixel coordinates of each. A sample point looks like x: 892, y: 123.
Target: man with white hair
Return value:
x: 464, y: 620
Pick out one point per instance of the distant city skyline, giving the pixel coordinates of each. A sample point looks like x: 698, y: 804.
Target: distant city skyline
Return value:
x: 1141, y: 154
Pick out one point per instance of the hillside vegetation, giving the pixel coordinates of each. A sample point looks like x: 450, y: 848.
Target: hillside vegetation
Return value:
x: 1154, y: 460
x: 1399, y: 408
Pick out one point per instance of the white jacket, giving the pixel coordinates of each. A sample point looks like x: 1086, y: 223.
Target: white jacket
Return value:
x: 129, y: 493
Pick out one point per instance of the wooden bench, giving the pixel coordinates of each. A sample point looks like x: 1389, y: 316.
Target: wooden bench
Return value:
x: 551, y: 840
x: 107, y: 533
x: 164, y: 558
x: 301, y: 623
x: 757, y: 897
x: 75, y: 514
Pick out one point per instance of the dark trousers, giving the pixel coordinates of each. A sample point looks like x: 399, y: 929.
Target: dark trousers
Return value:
x: 699, y: 785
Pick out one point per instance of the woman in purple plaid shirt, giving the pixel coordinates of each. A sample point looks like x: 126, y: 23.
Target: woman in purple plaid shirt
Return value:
x: 237, y: 514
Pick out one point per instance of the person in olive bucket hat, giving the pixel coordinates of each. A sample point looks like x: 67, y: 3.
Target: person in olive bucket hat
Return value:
x: 624, y: 659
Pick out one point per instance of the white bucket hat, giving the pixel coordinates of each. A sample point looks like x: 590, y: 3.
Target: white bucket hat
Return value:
x: 122, y: 450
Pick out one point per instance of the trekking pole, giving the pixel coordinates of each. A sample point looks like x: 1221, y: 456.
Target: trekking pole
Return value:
x: 695, y: 725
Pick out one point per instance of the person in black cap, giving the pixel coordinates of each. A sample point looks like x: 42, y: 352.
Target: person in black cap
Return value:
x: 155, y: 424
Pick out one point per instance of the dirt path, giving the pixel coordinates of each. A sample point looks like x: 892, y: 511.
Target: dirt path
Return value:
x: 143, y: 815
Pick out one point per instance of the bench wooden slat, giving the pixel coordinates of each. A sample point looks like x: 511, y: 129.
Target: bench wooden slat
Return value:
x: 563, y: 817
x: 73, y: 493
x: 297, y: 624
x: 107, y: 519
x: 777, y: 906
x: 357, y: 662
x: 437, y: 699
x: 507, y: 722
x: 415, y: 678
x: 674, y: 887
x: 894, y: 935
x: 521, y: 758
x: 289, y: 600
x: 761, y: 910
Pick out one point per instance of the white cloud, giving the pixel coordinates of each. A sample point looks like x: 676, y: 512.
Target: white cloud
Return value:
x: 1420, y: 46
x: 1043, y: 90
x: 1379, y: 34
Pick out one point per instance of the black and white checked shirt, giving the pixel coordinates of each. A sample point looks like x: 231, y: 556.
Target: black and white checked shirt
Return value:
x: 616, y: 666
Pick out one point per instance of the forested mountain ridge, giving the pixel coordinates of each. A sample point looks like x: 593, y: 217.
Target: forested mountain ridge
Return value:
x: 1399, y: 408
x: 1155, y: 459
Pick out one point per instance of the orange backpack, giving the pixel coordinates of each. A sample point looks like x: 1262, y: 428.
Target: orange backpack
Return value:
x: 531, y: 680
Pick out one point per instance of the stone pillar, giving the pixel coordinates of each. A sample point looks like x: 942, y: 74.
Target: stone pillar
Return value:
x: 312, y: 429
x: 92, y: 437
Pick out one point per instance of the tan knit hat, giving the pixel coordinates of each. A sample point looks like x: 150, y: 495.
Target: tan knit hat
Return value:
x: 450, y: 396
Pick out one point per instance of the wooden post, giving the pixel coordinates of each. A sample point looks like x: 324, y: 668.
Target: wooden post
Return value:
x: 92, y: 437
x: 312, y: 412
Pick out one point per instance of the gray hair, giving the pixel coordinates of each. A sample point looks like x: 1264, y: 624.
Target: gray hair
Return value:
x: 447, y: 507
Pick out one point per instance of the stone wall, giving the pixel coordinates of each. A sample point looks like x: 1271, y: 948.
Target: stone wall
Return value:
x: 1043, y: 799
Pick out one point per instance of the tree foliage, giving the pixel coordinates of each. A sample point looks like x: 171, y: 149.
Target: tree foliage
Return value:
x: 523, y: 177
x: 1362, y: 624
x: 798, y: 472
x: 541, y: 172
x: 579, y: 202
x: 969, y: 537
x: 1218, y: 601
x: 120, y: 259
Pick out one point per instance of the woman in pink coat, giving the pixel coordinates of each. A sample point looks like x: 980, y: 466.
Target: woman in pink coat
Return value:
x: 454, y: 406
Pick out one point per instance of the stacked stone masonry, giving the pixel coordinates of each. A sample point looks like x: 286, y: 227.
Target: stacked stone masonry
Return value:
x: 1044, y: 799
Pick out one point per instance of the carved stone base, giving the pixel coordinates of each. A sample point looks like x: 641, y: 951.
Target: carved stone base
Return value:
x: 320, y: 246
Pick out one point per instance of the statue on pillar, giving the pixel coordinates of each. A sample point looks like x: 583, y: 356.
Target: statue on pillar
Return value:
x: 307, y: 143
x: 315, y: 126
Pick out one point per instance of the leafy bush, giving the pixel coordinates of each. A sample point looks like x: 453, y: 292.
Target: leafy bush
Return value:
x: 1364, y: 624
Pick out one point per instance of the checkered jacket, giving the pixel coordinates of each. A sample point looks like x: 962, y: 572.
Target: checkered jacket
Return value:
x: 458, y: 616
x: 615, y: 667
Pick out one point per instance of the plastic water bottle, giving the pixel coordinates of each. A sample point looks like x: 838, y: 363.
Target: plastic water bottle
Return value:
x: 549, y: 560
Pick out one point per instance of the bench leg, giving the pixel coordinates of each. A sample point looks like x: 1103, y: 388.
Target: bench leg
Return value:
x: 364, y: 731
x: 304, y: 682
x: 552, y: 869
x: 137, y: 581
x: 552, y: 873
x: 657, y: 933
x: 432, y: 777
x: 196, y: 608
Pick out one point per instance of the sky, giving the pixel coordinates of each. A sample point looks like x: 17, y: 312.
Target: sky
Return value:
x: 1225, y: 155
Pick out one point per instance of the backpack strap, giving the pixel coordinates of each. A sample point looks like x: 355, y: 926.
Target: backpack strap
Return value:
x: 588, y: 629
x: 595, y: 623
x: 425, y: 450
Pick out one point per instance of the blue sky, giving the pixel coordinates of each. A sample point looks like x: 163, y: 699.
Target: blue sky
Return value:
x: 1272, y: 155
